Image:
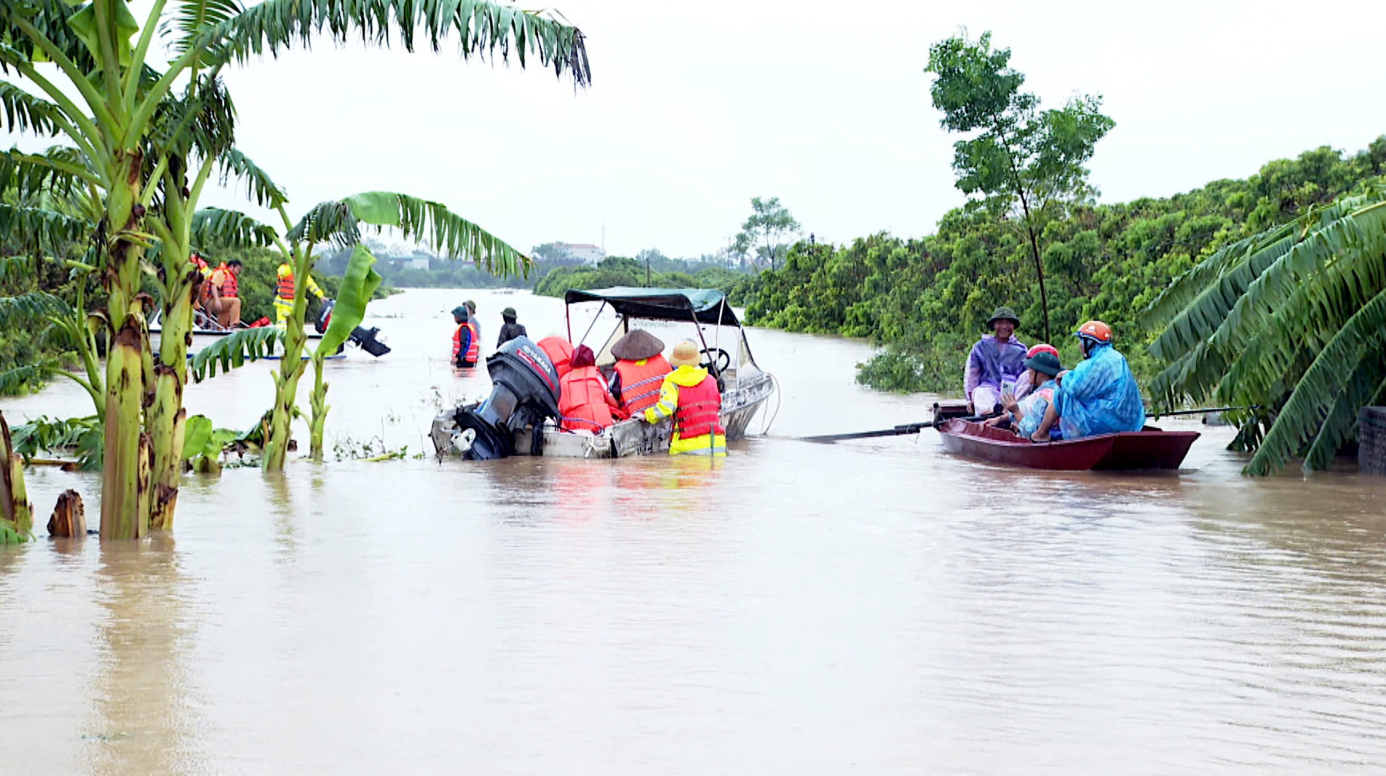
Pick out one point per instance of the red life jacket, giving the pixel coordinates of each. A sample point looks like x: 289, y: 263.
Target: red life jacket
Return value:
x: 640, y: 382
x: 286, y: 286
x: 582, y: 400
x: 473, y: 349
x: 559, y: 351
x: 699, y: 408
x: 229, y: 285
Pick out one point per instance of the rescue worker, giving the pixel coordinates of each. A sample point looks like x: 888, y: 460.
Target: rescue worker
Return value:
x: 640, y: 370
x: 225, y: 280
x: 559, y: 351
x: 689, y: 395
x: 1025, y: 415
x: 510, y: 330
x: 584, y: 404
x: 284, y: 294
x: 466, y: 343
x: 995, y: 365
x: 1099, y: 396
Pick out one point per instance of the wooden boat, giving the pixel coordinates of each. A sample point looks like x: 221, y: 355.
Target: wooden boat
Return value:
x: 1146, y: 449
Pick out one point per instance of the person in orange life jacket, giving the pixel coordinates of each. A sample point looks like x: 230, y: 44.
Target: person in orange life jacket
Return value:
x: 559, y: 351
x: 1024, y: 415
x: 584, y: 403
x: 689, y: 395
x: 226, y: 280
x: 466, y: 343
x: 208, y: 297
x: 640, y: 370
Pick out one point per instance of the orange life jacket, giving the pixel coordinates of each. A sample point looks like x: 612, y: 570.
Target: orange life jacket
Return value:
x: 229, y: 285
x: 640, y: 382
x: 699, y: 408
x: 473, y: 348
x: 582, y: 400
x: 559, y: 351
x: 286, y: 286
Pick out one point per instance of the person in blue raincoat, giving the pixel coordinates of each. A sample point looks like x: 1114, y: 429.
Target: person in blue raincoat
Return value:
x: 1099, y: 396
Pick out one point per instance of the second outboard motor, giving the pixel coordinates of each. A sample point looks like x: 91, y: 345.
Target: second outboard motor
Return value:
x: 525, y: 393
x: 363, y: 337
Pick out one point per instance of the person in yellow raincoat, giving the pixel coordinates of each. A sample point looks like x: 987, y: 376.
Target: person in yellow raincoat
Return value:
x: 284, y: 295
x: 689, y: 395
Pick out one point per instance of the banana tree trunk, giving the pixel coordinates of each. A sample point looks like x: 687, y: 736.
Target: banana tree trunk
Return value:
x: 166, y: 415
x: 15, y: 508
x: 319, y: 406
x: 290, y: 370
x: 125, y: 473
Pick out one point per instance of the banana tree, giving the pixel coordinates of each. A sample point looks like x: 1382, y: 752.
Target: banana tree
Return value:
x: 150, y: 155
x: 1291, y: 321
x: 339, y: 223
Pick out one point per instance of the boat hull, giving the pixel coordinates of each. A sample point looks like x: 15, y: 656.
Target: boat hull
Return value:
x: 1132, y: 450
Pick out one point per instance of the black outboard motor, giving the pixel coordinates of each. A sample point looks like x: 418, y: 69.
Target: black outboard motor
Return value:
x: 363, y: 337
x: 525, y: 393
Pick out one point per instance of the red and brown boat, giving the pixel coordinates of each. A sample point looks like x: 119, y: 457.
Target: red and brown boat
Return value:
x: 1146, y: 449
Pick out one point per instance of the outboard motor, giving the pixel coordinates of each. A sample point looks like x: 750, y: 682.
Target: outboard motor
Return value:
x: 525, y: 393
x: 363, y: 337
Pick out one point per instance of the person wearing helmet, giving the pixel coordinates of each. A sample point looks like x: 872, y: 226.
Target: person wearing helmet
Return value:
x: 1024, y: 415
x: 1099, y: 396
x: 996, y: 364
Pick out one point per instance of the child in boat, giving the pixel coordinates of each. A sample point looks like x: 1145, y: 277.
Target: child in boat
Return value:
x: 1025, y: 414
x: 584, y: 402
x: 1099, y: 396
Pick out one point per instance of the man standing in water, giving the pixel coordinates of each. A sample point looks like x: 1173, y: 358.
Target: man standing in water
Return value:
x: 996, y: 364
x: 510, y: 330
x: 690, y: 396
x: 466, y: 343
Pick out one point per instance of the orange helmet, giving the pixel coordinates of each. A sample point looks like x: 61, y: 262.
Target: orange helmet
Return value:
x: 1042, y: 348
x: 1096, y: 331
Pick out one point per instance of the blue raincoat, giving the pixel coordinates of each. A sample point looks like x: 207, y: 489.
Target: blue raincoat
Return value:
x: 1099, y: 396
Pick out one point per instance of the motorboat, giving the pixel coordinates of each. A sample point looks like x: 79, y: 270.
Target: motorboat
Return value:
x: 521, y: 415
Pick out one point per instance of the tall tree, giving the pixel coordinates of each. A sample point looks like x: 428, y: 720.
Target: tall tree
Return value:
x: 766, y: 228
x: 149, y: 151
x: 1018, y: 156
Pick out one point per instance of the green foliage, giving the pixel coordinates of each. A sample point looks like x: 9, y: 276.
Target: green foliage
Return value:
x: 1291, y: 320
x: 766, y: 229
x: 623, y: 271
x: 78, y: 437
x: 203, y: 444
x: 928, y: 299
x: 357, y: 288
x: 234, y: 350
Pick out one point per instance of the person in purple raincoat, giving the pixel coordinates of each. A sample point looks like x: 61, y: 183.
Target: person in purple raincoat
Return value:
x: 996, y: 365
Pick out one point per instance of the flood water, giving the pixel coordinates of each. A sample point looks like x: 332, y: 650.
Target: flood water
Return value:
x: 870, y: 607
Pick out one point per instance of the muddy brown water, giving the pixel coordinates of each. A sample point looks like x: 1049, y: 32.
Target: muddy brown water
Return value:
x: 873, y: 607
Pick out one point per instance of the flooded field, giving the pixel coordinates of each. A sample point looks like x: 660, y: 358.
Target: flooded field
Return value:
x: 872, y: 607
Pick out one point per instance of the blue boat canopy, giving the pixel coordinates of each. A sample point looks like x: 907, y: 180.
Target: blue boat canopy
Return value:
x: 707, y: 305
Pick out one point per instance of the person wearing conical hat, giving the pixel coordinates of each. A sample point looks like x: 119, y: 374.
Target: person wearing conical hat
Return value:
x: 640, y: 370
x: 996, y: 364
x: 689, y: 395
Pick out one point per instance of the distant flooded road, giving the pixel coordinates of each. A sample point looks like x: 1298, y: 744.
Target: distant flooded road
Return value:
x: 871, y: 607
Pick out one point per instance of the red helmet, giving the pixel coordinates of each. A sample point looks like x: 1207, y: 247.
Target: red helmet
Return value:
x: 1095, y: 330
x: 1042, y: 348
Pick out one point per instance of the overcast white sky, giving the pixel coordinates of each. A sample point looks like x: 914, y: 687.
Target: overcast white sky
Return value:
x: 697, y: 107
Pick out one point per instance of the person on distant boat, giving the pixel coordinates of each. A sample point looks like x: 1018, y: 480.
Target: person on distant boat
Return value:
x: 640, y: 370
x: 689, y: 395
x: 510, y: 329
x: 1025, y: 415
x: 466, y: 342
x: 1099, y: 396
x: 208, y: 297
x: 584, y: 404
x: 284, y: 293
x: 226, y: 281
x: 996, y: 364
x: 559, y: 351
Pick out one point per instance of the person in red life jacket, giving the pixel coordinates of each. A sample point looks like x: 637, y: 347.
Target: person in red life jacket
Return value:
x: 640, y: 370
x: 208, y: 298
x: 584, y: 404
x: 226, y: 279
x: 689, y: 395
x: 559, y: 351
x: 466, y: 342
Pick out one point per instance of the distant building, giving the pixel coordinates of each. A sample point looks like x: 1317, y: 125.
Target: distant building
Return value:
x: 589, y: 253
x: 414, y: 262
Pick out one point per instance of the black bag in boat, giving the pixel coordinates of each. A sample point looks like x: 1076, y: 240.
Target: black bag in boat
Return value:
x: 524, y: 394
x: 363, y: 337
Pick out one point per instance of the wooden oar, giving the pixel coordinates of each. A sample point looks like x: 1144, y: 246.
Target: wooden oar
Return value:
x: 1207, y: 411
x: 900, y: 430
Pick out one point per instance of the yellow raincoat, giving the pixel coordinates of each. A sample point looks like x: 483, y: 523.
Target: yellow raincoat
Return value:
x: 686, y: 377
